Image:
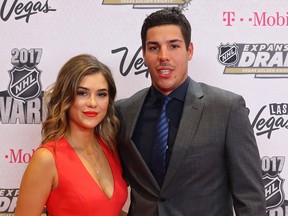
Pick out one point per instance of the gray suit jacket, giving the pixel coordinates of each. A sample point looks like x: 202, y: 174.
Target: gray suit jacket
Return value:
x: 214, y: 165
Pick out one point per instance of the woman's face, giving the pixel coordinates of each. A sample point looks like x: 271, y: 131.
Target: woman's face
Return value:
x: 91, y: 103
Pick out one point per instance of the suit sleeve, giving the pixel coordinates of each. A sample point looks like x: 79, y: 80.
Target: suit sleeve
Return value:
x: 244, y: 163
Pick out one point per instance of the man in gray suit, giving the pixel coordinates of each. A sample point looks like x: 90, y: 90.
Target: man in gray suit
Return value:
x: 211, y: 162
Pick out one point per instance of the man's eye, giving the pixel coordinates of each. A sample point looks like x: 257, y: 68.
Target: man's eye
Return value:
x: 153, y: 48
x: 174, y: 46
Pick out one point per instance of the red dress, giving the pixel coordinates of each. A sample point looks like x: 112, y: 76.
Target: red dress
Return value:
x: 77, y: 192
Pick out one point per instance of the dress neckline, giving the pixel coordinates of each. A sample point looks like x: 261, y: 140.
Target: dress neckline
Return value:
x: 106, y: 153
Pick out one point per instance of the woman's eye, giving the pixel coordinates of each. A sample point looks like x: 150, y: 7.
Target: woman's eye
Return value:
x: 81, y: 93
x: 102, y: 94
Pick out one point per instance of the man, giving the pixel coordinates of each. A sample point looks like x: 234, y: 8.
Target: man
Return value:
x: 211, y: 163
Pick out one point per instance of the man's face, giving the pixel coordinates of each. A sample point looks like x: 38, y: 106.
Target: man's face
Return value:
x: 167, y: 57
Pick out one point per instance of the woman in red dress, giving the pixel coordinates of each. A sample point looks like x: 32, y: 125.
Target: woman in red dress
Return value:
x: 76, y: 170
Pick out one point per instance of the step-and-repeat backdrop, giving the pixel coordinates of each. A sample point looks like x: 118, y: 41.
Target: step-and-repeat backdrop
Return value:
x: 240, y: 46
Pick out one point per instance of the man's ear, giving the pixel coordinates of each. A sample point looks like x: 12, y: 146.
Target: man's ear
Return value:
x: 190, y: 51
x: 144, y: 59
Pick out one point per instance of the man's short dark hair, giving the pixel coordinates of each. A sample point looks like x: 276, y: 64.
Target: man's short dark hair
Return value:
x: 167, y: 16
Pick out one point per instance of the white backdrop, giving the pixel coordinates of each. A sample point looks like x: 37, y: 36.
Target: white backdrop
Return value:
x: 240, y: 46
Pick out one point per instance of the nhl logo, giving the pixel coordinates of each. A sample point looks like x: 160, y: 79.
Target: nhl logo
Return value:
x: 228, y: 54
x: 274, y: 192
x: 24, y: 83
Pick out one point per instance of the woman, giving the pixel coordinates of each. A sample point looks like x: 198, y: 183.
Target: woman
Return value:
x: 76, y: 169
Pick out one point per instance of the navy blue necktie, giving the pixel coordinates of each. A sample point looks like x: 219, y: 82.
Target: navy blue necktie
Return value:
x: 158, y: 155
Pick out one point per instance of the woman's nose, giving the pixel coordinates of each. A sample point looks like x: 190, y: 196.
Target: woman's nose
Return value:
x: 91, y: 102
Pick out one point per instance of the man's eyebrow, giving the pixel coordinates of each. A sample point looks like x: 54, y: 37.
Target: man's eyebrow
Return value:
x: 175, y: 40
x: 152, y: 42
x: 169, y: 41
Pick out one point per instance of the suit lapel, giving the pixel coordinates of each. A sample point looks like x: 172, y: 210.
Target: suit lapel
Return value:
x: 191, y: 115
x: 132, y: 114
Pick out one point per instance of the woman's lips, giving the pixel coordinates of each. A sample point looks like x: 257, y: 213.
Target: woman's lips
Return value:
x: 91, y: 114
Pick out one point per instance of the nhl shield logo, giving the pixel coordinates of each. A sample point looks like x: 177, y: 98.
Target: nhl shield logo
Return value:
x: 274, y: 192
x: 24, y: 83
x: 228, y: 54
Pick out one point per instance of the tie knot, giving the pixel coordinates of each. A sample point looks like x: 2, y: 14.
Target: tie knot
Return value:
x: 166, y: 101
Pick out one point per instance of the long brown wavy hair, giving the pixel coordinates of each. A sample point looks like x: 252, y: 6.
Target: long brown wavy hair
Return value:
x: 60, y: 97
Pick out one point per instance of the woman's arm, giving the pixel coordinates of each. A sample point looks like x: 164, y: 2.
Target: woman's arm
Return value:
x: 123, y: 213
x: 38, y: 180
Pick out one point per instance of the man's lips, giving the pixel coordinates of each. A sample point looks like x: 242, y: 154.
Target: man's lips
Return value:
x: 91, y: 114
x: 164, y: 71
x: 164, y: 68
